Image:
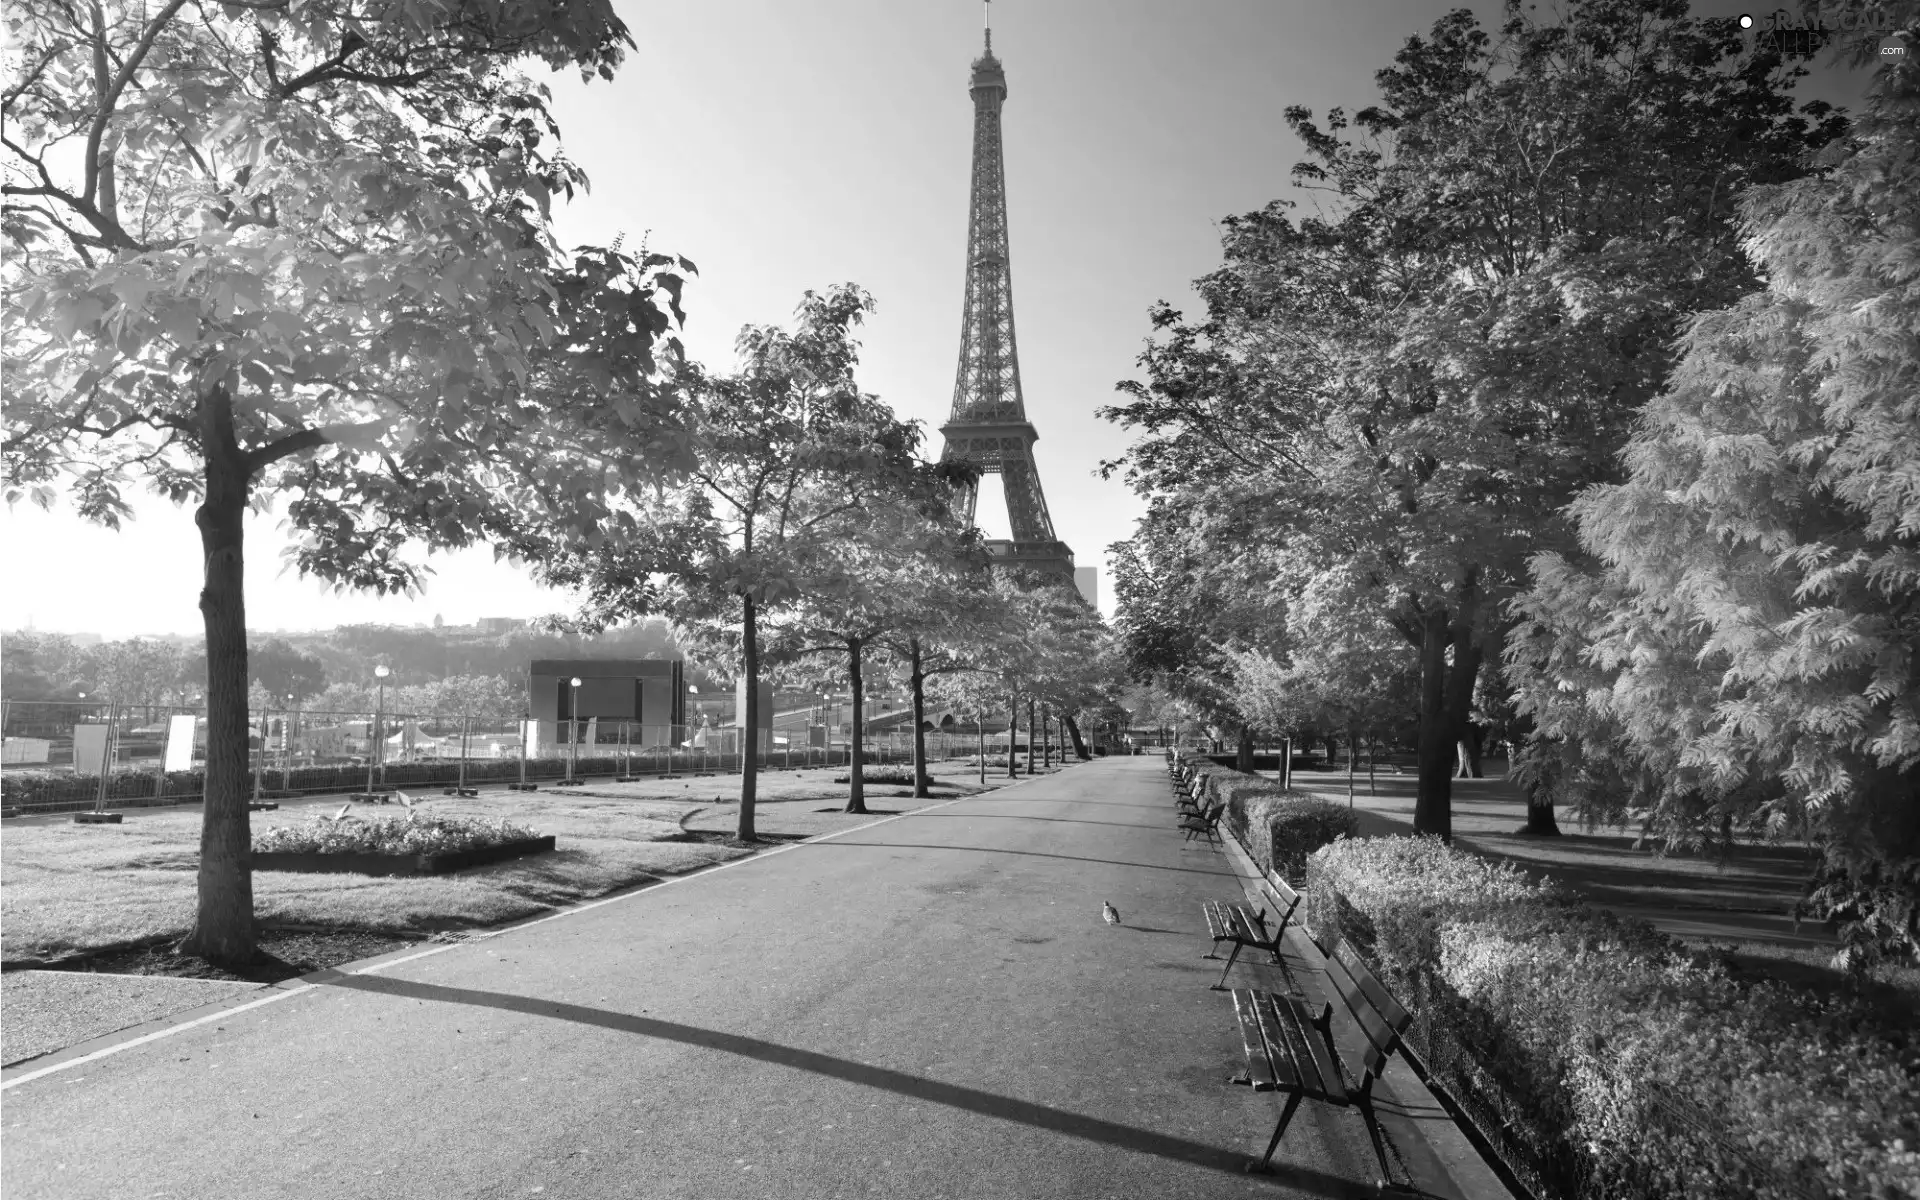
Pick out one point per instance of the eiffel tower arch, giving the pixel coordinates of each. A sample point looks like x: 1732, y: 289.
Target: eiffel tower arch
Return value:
x: 988, y: 426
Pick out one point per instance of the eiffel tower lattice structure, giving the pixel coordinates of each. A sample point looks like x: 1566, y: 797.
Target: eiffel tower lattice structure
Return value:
x: 989, y: 426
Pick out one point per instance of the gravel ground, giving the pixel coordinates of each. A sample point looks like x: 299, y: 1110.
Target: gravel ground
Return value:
x: 44, y: 1011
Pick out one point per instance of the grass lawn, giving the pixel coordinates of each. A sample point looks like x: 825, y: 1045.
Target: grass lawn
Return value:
x: 1738, y: 909
x: 67, y: 888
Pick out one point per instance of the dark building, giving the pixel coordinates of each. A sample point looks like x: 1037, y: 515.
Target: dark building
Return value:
x: 649, y: 693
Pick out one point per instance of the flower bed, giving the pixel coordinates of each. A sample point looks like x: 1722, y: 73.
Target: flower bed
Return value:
x: 1280, y: 830
x: 411, y: 845
x: 411, y: 834
x: 1602, y: 1058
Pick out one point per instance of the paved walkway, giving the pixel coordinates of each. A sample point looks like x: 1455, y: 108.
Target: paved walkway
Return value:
x: 928, y: 1006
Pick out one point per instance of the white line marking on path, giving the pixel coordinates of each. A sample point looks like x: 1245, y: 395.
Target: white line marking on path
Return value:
x: 282, y: 993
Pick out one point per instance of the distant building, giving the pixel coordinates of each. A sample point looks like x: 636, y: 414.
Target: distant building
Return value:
x: 495, y: 626
x: 83, y: 639
x: 1087, y: 579
x: 650, y: 694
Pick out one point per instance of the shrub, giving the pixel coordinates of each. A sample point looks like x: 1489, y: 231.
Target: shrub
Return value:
x: 1280, y: 829
x: 412, y: 834
x: 1620, y: 1064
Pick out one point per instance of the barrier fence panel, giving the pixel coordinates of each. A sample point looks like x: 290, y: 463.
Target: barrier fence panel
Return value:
x: 63, y: 756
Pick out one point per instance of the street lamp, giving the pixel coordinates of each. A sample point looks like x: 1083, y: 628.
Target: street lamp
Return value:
x: 573, y: 729
x: 380, y: 673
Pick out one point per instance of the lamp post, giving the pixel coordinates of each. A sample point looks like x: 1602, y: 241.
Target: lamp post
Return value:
x: 573, y: 729
x: 374, y: 740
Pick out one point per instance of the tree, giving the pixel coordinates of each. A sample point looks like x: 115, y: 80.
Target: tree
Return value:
x: 1075, y: 666
x: 954, y: 623
x: 1418, y: 384
x: 1736, y: 647
x: 1182, y: 601
x: 1344, y: 666
x: 883, y: 576
x: 785, y: 450
x: 305, y: 253
x: 285, y: 672
x: 42, y: 666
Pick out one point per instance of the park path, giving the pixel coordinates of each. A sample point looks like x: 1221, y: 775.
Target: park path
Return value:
x: 928, y: 1006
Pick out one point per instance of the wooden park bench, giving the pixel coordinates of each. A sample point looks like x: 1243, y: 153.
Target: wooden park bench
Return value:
x: 1246, y: 925
x: 1206, y: 822
x: 1191, y: 798
x: 1289, y: 1047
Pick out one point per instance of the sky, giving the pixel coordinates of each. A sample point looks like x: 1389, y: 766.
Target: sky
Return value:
x: 784, y: 147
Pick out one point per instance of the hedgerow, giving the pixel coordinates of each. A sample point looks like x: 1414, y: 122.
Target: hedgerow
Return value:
x: 1280, y: 829
x: 1620, y: 1064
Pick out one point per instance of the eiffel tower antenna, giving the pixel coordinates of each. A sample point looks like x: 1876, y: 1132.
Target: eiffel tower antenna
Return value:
x: 989, y: 426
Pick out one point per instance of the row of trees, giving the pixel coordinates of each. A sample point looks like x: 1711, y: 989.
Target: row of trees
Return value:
x: 1583, y: 415
x: 303, y: 254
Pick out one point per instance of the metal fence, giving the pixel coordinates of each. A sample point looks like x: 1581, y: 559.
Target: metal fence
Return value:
x: 62, y: 756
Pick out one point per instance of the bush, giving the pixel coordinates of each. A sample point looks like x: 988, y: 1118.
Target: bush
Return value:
x: 1620, y: 1064
x: 1279, y: 829
x: 902, y: 778
x: 412, y: 834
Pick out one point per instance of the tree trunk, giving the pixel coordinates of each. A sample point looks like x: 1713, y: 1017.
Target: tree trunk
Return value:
x: 749, y: 776
x: 922, y: 780
x: 223, y: 930
x: 1080, y: 750
x: 1433, y: 802
x: 1013, y: 735
x: 1243, y: 753
x: 856, y: 747
x: 1046, y: 744
x: 1353, y: 745
x: 1031, y: 726
x: 1540, y: 819
x: 1446, y: 702
x: 1373, y: 754
x: 980, y: 747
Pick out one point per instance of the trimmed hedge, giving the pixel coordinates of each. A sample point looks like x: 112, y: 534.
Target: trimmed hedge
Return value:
x: 1605, y: 1060
x: 1279, y: 829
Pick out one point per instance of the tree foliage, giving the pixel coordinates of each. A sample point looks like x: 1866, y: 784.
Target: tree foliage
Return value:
x: 303, y: 251
x: 1416, y: 384
x: 787, y: 453
x: 1737, y: 647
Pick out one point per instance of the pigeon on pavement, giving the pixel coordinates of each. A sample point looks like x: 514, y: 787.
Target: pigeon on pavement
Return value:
x: 1109, y: 913
x: 403, y: 798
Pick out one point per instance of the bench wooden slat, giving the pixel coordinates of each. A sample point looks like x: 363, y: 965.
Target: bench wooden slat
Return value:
x: 1259, y: 1065
x: 1284, y: 1026
x: 1380, y: 1035
x: 1287, y: 1066
x: 1219, y: 920
x: 1376, y: 993
x: 1313, y: 1028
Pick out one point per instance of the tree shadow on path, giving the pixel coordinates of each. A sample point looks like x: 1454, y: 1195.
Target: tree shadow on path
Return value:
x: 1040, y: 1116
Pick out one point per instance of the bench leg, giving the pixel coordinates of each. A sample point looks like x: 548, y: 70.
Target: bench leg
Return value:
x: 1222, y: 985
x: 1365, y: 1106
x: 1286, y: 1115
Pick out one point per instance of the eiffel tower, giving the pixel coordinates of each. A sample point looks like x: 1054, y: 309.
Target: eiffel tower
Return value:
x: 989, y: 426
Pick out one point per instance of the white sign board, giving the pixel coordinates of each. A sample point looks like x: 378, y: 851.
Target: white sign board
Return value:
x: 593, y: 731
x: 89, y: 749
x: 179, y: 753
x: 529, y: 738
